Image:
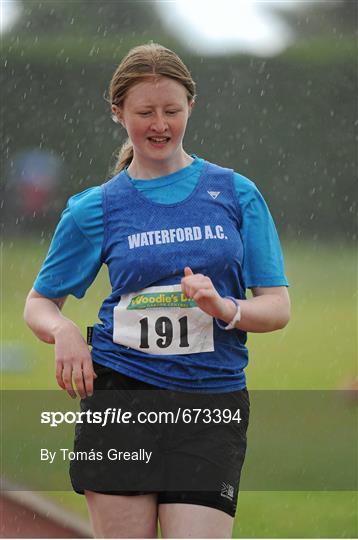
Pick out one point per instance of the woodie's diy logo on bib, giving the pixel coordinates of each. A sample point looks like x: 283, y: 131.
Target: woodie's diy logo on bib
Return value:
x: 161, y: 320
x: 161, y: 299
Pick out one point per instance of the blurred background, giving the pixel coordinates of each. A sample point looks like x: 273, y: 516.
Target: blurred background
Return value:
x: 277, y: 102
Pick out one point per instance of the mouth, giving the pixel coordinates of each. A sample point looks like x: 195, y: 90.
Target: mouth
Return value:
x: 159, y: 141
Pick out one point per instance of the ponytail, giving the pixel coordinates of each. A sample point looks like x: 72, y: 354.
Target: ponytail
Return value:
x: 125, y: 156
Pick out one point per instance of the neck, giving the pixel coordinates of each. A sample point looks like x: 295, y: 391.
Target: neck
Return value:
x: 146, y: 170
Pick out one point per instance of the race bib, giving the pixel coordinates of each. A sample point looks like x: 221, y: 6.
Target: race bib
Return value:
x: 161, y: 320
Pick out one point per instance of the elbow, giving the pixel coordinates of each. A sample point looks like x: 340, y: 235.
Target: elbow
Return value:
x: 284, y: 318
x: 29, y: 320
x: 26, y: 314
x: 282, y: 323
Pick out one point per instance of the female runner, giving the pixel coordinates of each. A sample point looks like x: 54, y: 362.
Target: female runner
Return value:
x: 183, y: 239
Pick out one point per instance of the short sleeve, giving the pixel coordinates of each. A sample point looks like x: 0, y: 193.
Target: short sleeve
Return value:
x: 263, y: 264
x: 74, y: 257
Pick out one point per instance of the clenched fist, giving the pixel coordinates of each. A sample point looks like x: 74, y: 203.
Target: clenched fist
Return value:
x: 201, y: 289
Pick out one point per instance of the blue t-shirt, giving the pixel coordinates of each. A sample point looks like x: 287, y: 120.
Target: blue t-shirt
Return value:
x: 74, y: 257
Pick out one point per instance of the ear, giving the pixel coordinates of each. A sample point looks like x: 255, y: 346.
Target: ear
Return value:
x: 191, y: 105
x: 118, y: 114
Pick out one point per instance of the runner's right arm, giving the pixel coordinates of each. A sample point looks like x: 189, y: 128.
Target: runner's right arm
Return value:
x: 71, y: 265
x: 73, y: 358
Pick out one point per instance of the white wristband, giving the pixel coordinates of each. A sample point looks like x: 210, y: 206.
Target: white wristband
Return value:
x: 237, y: 315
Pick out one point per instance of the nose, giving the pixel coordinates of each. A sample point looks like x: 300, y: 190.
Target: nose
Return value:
x: 159, y: 123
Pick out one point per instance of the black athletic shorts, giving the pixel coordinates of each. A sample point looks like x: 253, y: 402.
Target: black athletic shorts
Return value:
x: 185, y: 447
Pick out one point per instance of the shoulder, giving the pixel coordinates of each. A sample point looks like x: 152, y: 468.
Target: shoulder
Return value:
x: 85, y: 200
x: 86, y: 210
x: 247, y: 192
x: 214, y: 168
x: 243, y: 185
x: 245, y: 189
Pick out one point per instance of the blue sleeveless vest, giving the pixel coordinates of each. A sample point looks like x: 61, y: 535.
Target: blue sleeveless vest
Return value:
x: 148, y: 244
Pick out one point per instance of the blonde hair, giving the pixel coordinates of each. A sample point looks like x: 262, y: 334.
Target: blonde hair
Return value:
x: 145, y: 62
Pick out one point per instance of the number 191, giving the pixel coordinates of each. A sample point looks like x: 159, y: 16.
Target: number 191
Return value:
x: 164, y: 329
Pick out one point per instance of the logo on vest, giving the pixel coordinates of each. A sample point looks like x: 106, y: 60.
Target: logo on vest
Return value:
x: 181, y: 234
x: 214, y: 194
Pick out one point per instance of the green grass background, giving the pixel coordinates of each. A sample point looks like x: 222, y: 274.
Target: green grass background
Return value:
x: 317, y: 350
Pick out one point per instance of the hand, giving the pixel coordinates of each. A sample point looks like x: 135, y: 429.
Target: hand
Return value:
x: 201, y: 289
x: 73, y: 360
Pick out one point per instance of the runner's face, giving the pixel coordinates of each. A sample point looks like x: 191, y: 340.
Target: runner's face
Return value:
x: 155, y: 115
